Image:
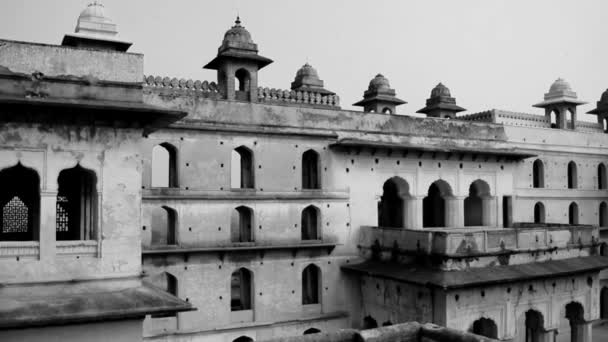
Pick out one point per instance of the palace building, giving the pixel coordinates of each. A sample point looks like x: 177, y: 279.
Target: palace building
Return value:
x: 139, y: 207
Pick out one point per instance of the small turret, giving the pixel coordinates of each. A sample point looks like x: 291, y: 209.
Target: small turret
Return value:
x: 602, y: 111
x: 307, y: 79
x: 560, y: 100
x: 441, y: 104
x: 379, y: 97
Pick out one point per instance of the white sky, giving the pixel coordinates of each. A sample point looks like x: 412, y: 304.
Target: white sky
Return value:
x: 490, y: 53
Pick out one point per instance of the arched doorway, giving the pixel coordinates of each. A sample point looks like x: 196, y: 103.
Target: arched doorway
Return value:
x: 573, y: 213
x: 477, y: 205
x: 485, y: 327
x: 534, y: 326
x: 434, y: 213
x: 392, y: 206
x: 575, y: 314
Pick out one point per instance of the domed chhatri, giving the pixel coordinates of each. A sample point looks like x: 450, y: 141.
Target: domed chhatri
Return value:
x: 238, y: 34
x: 441, y: 104
x: 95, y: 29
x: 307, y: 79
x: 601, y: 110
x: 561, y: 100
x: 379, y: 97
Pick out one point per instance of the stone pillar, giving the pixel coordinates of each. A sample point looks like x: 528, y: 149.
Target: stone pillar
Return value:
x: 548, y: 336
x: 454, y: 211
x: 412, y: 209
x: 48, y: 216
x: 562, y: 118
x: 487, y: 211
x: 573, y: 127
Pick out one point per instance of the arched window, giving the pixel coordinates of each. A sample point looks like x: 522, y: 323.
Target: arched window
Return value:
x: 603, y: 213
x: 433, y: 205
x: 76, y: 205
x: 534, y: 326
x: 241, y: 289
x: 572, y: 176
x: 387, y: 110
x: 242, y: 174
x: 369, y: 323
x: 164, y: 226
x: 311, y: 331
x: 538, y: 174
x: 241, y: 222
x: 391, y: 207
x: 242, y: 79
x: 310, y: 170
x: 485, y: 327
x: 539, y: 213
x: 575, y: 315
x: 601, y: 176
x: 479, y: 191
x: 573, y: 213
x: 164, y: 166
x: 553, y: 118
x: 311, y: 285
x: 310, y: 223
x: 243, y: 339
x: 164, y: 281
x: 20, y: 203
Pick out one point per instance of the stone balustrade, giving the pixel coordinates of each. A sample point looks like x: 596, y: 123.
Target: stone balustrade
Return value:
x: 273, y: 95
x: 525, y: 120
x: 180, y: 86
x: 479, y: 241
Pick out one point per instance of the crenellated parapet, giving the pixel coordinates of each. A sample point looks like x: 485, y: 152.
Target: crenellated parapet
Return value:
x: 166, y: 85
x: 510, y: 118
x: 272, y: 95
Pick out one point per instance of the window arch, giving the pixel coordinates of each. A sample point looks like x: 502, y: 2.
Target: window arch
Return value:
x: 601, y: 177
x: 241, y: 222
x: 479, y: 191
x: 310, y: 170
x: 76, y: 206
x: 310, y: 223
x: 603, y: 215
x: 572, y: 176
x: 575, y: 316
x: 243, y: 79
x: 311, y: 285
x: 164, y: 226
x: 387, y: 110
x: 241, y: 290
x: 20, y: 203
x: 433, y: 205
x: 391, y: 208
x: 573, y: 213
x: 369, y: 322
x: 242, y: 173
x: 167, y: 282
x: 534, y: 326
x: 243, y: 339
x: 538, y: 174
x: 311, y: 331
x: 164, y: 166
x: 485, y: 327
x: 539, y: 213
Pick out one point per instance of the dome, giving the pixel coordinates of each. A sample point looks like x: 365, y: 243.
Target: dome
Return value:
x: 238, y: 33
x: 95, y: 12
x: 560, y: 85
x: 604, y: 97
x: 379, y: 83
x: 307, y: 71
x: 440, y: 90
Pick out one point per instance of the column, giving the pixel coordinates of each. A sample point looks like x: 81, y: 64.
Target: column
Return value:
x: 47, y: 233
x: 412, y: 209
x: 487, y: 211
x: 454, y: 211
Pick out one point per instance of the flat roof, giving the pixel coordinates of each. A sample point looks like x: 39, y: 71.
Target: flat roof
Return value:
x: 423, y: 275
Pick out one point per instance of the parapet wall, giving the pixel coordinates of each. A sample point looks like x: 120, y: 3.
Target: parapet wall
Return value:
x: 166, y: 86
x: 272, y: 95
x: 406, y: 332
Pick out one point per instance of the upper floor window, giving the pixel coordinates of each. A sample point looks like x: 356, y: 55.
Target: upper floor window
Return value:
x: 572, y: 176
x: 538, y: 174
x: 20, y: 203
x: 601, y: 176
x: 241, y: 222
x: 539, y: 213
x: 573, y: 213
x: 310, y: 170
x: 241, y: 289
x: 310, y: 223
x: 242, y: 175
x: 311, y: 284
x: 164, y: 226
x: 164, y: 166
x: 76, y: 217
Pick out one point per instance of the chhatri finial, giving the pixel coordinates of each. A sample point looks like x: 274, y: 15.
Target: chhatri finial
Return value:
x: 238, y: 20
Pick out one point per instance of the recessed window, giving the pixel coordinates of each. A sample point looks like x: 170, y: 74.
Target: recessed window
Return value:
x: 164, y: 166
x: 538, y: 174
x: 242, y: 173
x: 76, y: 206
x: 20, y: 203
x: 310, y: 170
x: 310, y: 223
x: 311, y: 285
x: 164, y: 226
x: 241, y: 222
x: 241, y: 290
x: 572, y: 175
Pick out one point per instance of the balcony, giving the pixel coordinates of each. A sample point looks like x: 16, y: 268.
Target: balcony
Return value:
x: 480, y: 241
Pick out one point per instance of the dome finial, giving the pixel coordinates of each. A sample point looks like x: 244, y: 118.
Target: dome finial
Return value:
x: 238, y: 20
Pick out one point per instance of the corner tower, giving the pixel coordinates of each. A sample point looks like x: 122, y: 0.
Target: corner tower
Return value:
x: 602, y: 111
x: 560, y: 100
x: 237, y: 64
